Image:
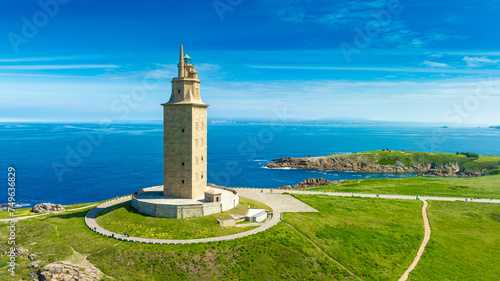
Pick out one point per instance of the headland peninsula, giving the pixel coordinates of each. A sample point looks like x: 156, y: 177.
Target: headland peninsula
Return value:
x: 460, y: 164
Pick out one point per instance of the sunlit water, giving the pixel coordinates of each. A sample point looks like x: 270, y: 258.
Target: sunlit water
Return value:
x: 129, y: 156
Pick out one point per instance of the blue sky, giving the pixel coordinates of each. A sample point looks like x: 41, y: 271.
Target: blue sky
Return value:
x: 424, y: 61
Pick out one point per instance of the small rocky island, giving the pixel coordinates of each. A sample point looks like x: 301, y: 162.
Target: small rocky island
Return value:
x: 460, y: 164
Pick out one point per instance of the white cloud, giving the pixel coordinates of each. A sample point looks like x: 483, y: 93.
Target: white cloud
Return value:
x: 160, y: 71
x: 479, y: 61
x: 205, y: 67
x: 384, y: 69
x: 58, y: 58
x: 57, y: 66
x: 435, y: 64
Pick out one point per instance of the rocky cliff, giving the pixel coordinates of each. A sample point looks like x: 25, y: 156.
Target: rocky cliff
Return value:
x: 363, y: 164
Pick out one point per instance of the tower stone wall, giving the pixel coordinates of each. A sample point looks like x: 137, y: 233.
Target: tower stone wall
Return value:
x: 185, y: 135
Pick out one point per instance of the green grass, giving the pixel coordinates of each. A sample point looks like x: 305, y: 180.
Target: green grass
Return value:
x: 370, y: 237
x: 22, y: 212
x: 276, y: 254
x: 408, y: 158
x: 486, y: 186
x: 464, y: 245
x: 376, y: 239
x: 123, y: 218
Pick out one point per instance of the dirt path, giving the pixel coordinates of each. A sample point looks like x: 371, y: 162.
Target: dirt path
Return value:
x: 427, y: 236
x: 321, y: 250
x: 81, y: 260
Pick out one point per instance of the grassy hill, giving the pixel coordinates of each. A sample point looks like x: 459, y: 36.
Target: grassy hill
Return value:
x: 122, y: 218
x: 463, y: 164
x: 465, y: 160
x: 464, y: 245
x: 375, y: 239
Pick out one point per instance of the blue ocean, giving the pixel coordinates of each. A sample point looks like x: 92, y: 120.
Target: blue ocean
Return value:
x: 78, y: 163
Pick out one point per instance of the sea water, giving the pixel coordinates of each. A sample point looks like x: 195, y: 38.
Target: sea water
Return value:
x: 77, y: 163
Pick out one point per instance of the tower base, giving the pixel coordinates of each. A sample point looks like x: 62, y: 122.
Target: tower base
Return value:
x: 150, y: 201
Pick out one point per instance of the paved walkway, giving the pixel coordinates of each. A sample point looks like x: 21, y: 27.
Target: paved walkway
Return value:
x: 427, y: 236
x: 278, y: 202
x: 384, y: 196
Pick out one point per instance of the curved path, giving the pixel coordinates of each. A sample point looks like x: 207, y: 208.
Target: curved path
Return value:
x: 427, y: 236
x: 52, y: 213
x: 278, y: 202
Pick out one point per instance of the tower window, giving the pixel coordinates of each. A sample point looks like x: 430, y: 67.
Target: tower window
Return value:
x: 183, y: 130
x: 182, y: 163
x: 202, y: 158
x: 183, y: 181
x: 201, y: 175
x: 179, y: 91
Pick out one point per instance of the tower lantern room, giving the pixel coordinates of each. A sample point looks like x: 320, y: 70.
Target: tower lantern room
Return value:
x: 187, y: 59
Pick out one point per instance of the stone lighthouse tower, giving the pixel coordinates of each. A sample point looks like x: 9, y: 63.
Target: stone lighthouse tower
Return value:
x: 185, y: 192
x: 185, y: 135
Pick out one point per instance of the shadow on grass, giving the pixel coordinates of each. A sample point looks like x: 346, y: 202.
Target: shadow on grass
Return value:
x: 126, y: 205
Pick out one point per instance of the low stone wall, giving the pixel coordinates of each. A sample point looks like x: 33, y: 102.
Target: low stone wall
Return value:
x: 90, y: 221
x: 229, y: 200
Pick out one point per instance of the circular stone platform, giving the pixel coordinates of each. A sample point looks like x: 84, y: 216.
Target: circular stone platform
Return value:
x: 150, y: 201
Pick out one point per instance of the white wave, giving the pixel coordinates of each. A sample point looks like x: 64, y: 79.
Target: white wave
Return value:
x: 285, y: 168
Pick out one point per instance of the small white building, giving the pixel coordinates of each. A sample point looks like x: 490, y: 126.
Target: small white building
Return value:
x: 256, y: 215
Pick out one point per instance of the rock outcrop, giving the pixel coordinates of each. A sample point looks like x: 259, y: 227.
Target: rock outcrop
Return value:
x: 66, y: 271
x: 47, y: 208
x: 363, y: 164
x: 18, y: 252
x: 311, y: 182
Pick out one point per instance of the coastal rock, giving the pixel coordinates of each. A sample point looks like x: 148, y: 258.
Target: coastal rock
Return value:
x: 18, y: 251
x: 47, y: 208
x: 66, y: 271
x: 363, y: 164
x: 35, y: 264
x: 311, y: 182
